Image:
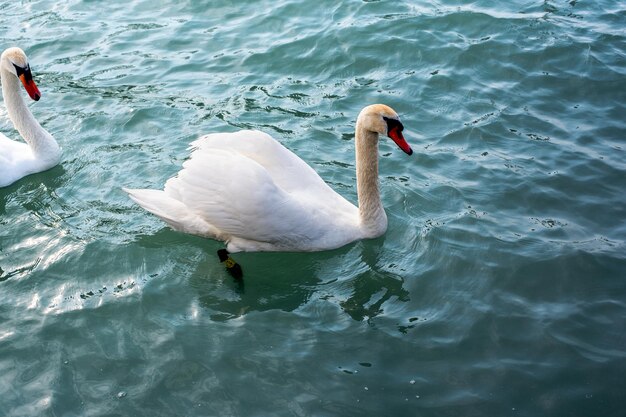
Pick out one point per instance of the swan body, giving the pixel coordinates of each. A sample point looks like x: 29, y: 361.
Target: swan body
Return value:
x: 248, y: 190
x: 41, y: 151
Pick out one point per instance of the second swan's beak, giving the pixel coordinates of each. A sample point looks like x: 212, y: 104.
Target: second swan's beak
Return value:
x: 26, y: 77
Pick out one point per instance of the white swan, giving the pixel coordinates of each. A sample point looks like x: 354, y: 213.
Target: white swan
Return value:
x: 41, y: 151
x: 249, y: 191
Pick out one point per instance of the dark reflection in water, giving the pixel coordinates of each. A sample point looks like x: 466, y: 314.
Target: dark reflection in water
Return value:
x: 374, y: 286
x: 366, y: 300
x: 348, y: 276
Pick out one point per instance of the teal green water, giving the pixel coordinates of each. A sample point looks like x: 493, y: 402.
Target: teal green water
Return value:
x: 498, y: 290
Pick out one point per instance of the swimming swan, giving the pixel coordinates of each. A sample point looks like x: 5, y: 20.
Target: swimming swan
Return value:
x: 248, y: 190
x: 41, y: 151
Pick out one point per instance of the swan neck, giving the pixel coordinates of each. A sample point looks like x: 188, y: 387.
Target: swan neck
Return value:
x: 372, y: 214
x: 40, y: 141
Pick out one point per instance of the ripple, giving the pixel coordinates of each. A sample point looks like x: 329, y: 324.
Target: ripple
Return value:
x: 505, y: 226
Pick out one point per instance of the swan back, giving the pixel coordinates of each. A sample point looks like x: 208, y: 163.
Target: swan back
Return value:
x: 261, y: 196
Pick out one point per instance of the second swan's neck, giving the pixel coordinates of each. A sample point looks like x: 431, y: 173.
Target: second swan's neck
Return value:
x: 371, y: 211
x: 40, y: 141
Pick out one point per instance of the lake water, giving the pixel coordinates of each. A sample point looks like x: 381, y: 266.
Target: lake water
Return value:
x: 499, y: 288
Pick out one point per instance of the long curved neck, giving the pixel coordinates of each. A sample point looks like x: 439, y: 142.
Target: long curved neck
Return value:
x: 371, y: 211
x: 40, y: 141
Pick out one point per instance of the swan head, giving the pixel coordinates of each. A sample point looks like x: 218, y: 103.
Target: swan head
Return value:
x: 14, y: 61
x: 382, y: 119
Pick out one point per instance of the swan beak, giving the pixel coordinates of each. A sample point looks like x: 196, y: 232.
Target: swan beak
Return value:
x: 396, y: 135
x: 31, y: 88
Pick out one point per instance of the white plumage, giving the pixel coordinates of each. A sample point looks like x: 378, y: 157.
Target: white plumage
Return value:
x: 248, y: 190
x: 41, y: 151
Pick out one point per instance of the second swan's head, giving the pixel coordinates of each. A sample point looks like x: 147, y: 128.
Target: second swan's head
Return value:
x: 384, y: 120
x: 14, y: 61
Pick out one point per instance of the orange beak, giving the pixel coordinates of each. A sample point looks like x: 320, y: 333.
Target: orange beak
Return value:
x: 396, y: 135
x: 29, y: 85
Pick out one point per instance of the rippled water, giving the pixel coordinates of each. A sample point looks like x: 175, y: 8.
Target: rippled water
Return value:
x: 497, y: 290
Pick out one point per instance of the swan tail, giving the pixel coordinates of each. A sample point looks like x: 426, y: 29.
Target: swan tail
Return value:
x: 173, y: 212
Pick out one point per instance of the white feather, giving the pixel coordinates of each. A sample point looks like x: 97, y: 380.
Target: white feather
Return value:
x: 248, y: 190
x: 41, y: 151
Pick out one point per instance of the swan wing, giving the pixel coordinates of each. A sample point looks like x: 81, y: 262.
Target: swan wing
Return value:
x: 247, y: 189
x: 286, y: 169
x: 239, y: 198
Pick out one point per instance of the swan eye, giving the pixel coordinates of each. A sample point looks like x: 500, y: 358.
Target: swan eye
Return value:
x: 393, y: 124
x: 21, y: 70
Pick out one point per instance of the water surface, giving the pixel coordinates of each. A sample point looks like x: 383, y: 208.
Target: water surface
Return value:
x: 497, y: 290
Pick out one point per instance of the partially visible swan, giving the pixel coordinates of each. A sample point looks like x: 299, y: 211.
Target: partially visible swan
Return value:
x: 249, y: 191
x: 41, y: 151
